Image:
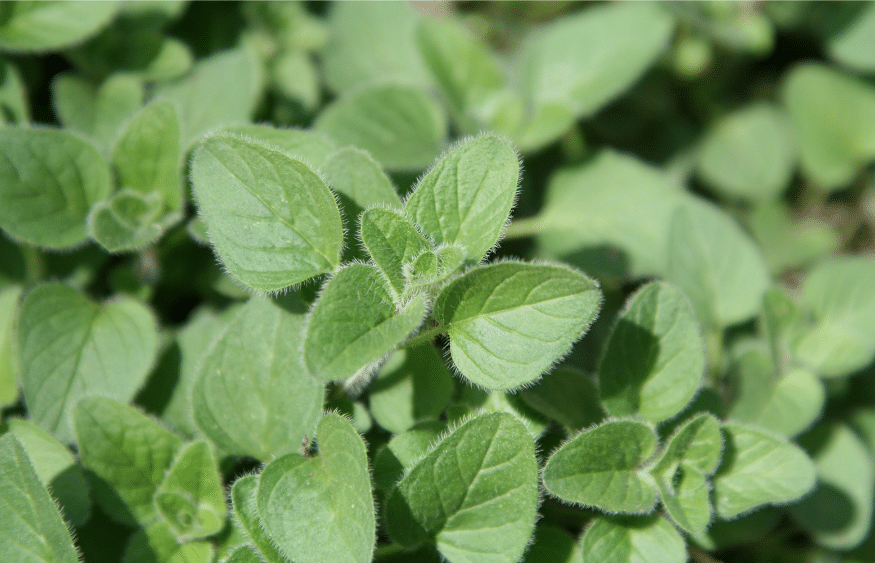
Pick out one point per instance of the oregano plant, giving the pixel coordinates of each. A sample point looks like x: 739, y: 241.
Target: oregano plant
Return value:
x: 287, y: 282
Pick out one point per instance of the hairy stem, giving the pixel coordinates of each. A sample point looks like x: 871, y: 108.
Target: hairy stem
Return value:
x: 425, y: 336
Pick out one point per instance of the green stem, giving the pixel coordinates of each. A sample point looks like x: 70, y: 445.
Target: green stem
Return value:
x: 522, y: 228
x: 425, y: 336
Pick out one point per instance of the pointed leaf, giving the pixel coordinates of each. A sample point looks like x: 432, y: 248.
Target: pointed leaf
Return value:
x: 243, y: 497
x: 271, y: 219
x: 31, y: 528
x: 655, y: 358
x: 128, y: 220
x: 649, y: 539
x: 355, y: 322
x: 759, y: 469
x: 191, y: 498
x: 466, y: 197
x: 475, y: 494
x: 392, y: 242
x: 253, y: 396
x: 320, y: 509
x: 127, y: 452
x: 602, y: 468
x: 49, y: 26
x: 70, y: 347
x: 49, y: 180
x: 509, y: 322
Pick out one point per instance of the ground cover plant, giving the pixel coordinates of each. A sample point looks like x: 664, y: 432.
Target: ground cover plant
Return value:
x: 410, y: 282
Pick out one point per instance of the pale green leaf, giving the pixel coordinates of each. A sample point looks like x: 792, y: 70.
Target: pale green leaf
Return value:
x: 191, y: 499
x: 466, y: 197
x: 271, y: 218
x: 147, y: 154
x: 358, y: 181
x: 413, y: 385
x: 392, y: 241
x: 649, y: 539
x: 788, y: 243
x: 13, y: 95
x: 833, y: 114
x: 127, y: 453
x: 355, y: 323
x: 850, y: 45
x: 509, y: 322
x: 57, y: 470
x: 655, y: 358
x: 401, y: 126
x: 9, y: 389
x: 603, y: 467
x: 129, y: 220
x: 155, y: 543
x: 567, y: 396
x: 204, y: 105
x: 716, y: 264
x: 750, y: 154
x: 243, y: 498
x: 40, y: 26
x: 49, y: 179
x: 31, y: 528
x: 372, y: 42
x: 309, y: 147
x: 70, y: 347
x: 499, y: 401
x: 698, y: 443
x: 759, y: 468
x: 98, y: 112
x: 431, y: 267
x: 474, y: 495
x: 404, y: 451
x: 839, y: 511
x: 253, y: 395
x: 320, y: 509
x: 839, y: 295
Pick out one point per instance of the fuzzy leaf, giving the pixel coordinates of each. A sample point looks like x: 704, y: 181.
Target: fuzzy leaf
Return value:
x: 128, y: 220
x: 401, y: 126
x: 127, y: 453
x: 649, y: 539
x: 602, y: 468
x: 759, y: 469
x: 355, y: 322
x: 243, y: 554
x: 310, y: 148
x: 466, y: 197
x: 31, y: 528
x: 509, y: 322
x: 70, y: 347
x: 392, y: 242
x: 49, y: 26
x: 253, y: 396
x: 243, y: 498
x: 358, y: 181
x: 655, y: 358
x: 49, y: 179
x: 403, y: 452
x: 320, y: 509
x: 271, y: 219
x: 474, y: 495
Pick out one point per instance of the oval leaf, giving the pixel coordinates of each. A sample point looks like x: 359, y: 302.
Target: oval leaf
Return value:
x: 392, y: 242
x: 650, y: 539
x: 49, y: 26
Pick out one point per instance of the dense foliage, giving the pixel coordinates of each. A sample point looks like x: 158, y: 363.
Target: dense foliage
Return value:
x: 253, y: 306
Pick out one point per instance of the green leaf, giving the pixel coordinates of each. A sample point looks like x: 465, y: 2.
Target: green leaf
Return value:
x: 127, y: 453
x: 552, y: 545
x: 431, y: 267
x: 70, y: 347
x: 655, y: 358
x: 392, y: 241
x: 306, y: 146
x: 146, y: 156
x: 788, y: 243
x: 243, y: 498
x: 833, y: 114
x: 13, y: 95
x: 839, y: 295
x: 413, y: 385
x: 271, y: 218
x: 253, y: 395
x: 358, y: 181
x: 567, y: 396
x: 98, y: 112
x: 49, y: 180
x: 404, y: 451
x: 31, y: 528
x: 475, y: 494
x: 509, y: 322
x: 155, y: 543
x: 355, y: 323
x: 243, y: 554
x: 750, y: 154
x: 372, y: 42
x: 716, y: 264
x: 759, y: 468
x: 691, y: 456
x: 604, y: 468
x: 191, y: 499
x: 52, y: 25
x: 401, y: 126
x: 466, y: 197
x: 57, y: 470
x: 320, y: 509
x: 850, y: 44
x: 128, y: 220
x: 9, y: 391
x: 205, y: 107
x: 648, y: 539
x: 839, y: 511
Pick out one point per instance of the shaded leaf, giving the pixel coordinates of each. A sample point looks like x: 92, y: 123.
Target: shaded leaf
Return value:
x: 49, y: 26
x: 567, y: 396
x: 243, y: 497
x: 403, y: 452
x: 155, y: 543
x: 649, y: 539
x: 128, y: 220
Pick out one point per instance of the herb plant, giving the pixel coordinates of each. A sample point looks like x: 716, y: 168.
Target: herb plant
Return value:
x: 262, y: 298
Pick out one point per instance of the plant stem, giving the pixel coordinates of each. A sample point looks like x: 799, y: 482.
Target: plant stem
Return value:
x: 425, y: 336
x: 522, y: 228
x: 700, y: 556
